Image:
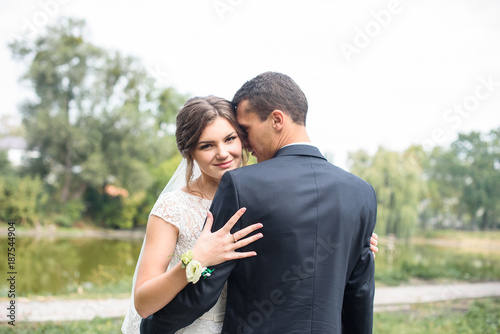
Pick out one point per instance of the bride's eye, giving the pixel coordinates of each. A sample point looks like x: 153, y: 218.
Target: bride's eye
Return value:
x: 231, y: 138
x: 205, y: 146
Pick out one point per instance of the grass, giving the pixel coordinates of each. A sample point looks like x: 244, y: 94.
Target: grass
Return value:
x: 96, y: 326
x: 460, y: 235
x: 463, y: 317
x: 439, y: 257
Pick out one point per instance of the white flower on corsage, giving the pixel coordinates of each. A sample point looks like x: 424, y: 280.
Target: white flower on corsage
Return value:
x: 193, y: 271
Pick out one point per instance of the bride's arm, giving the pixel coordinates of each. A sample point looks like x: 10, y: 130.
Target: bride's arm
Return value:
x: 156, y: 287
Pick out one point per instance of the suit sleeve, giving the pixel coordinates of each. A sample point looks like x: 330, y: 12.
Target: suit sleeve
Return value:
x: 196, y: 299
x: 357, y: 310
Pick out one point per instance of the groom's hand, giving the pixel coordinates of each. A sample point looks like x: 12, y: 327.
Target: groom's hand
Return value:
x: 373, y: 244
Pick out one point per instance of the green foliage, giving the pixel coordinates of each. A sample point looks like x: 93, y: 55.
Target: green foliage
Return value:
x: 480, y: 161
x: 97, y: 119
x: 91, y: 114
x: 122, y: 212
x: 457, y: 187
x: 5, y: 167
x: 169, y: 102
x: 465, y: 182
x: 69, y: 214
x: 163, y: 172
x: 22, y: 199
x: 398, y: 185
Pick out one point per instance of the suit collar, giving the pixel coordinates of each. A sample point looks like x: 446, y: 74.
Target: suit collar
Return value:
x: 300, y: 149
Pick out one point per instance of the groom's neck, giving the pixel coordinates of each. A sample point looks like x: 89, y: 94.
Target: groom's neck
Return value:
x: 294, y: 134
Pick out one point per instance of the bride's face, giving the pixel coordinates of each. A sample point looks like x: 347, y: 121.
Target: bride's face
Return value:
x: 219, y: 149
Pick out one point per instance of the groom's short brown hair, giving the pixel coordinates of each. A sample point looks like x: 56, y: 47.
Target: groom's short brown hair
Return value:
x: 270, y: 91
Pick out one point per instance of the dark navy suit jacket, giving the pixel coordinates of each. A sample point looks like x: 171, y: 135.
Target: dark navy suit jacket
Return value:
x: 314, y: 271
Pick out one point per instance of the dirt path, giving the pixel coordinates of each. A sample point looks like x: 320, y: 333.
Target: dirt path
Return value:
x: 386, y: 299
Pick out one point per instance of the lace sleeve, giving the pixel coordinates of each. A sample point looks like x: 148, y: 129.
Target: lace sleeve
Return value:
x: 168, y: 208
x: 187, y: 212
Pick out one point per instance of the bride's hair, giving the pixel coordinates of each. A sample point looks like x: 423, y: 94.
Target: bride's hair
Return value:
x: 195, y: 115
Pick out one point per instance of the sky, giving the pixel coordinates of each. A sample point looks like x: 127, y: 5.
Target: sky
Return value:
x: 375, y: 73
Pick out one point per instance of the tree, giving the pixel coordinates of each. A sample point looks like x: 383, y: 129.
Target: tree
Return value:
x: 96, y: 118
x: 479, y: 158
x: 445, y: 190
x: 465, y: 181
x: 397, y: 181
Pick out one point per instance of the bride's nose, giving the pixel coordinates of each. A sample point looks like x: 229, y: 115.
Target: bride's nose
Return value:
x: 222, y: 153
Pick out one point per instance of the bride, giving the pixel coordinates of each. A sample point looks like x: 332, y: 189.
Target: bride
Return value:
x: 211, y: 143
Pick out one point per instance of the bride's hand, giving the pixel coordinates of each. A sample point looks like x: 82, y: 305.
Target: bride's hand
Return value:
x: 218, y: 247
x: 374, y: 243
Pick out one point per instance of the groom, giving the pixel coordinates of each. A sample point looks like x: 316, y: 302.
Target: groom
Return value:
x: 314, y: 271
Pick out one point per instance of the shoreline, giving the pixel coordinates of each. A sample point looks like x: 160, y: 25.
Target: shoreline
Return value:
x: 52, y: 231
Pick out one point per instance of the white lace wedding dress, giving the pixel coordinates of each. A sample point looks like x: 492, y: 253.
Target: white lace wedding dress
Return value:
x: 187, y: 212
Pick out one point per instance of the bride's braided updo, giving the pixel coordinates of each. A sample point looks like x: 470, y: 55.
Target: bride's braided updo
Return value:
x: 195, y: 115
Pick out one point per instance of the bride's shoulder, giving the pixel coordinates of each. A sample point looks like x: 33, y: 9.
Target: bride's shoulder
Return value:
x: 170, y: 198
x: 169, y: 207
x: 176, y: 200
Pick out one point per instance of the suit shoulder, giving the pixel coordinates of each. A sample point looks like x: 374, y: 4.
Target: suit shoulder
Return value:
x: 249, y: 170
x: 350, y: 177
x: 354, y: 182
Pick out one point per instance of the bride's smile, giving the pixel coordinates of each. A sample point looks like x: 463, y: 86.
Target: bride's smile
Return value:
x: 225, y: 165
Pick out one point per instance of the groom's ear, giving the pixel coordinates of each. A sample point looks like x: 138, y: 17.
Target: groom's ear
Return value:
x: 278, y: 119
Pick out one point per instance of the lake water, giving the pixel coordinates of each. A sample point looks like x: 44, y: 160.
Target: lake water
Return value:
x: 69, y: 265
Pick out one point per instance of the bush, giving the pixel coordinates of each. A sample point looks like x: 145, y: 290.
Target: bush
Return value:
x: 22, y: 199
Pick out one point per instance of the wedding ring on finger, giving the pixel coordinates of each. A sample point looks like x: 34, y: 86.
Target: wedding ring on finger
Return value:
x: 234, y: 238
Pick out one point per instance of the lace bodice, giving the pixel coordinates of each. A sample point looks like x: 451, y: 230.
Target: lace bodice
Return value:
x: 187, y: 212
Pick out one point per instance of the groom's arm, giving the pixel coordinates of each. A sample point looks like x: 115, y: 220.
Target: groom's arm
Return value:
x: 357, y: 309
x: 195, y: 299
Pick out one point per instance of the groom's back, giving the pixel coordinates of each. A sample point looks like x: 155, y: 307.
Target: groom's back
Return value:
x: 317, y: 224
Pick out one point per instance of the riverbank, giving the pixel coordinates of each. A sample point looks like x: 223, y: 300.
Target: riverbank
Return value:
x: 52, y: 231
x: 487, y: 240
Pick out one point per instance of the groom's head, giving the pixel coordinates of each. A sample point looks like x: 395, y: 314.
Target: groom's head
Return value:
x: 272, y: 109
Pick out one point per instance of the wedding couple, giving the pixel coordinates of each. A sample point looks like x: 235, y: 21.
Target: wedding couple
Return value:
x: 291, y: 250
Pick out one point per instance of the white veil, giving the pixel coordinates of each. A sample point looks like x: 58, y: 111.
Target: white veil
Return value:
x: 132, y: 320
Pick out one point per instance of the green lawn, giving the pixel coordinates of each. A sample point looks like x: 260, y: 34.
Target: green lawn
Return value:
x: 464, y: 317
x: 96, y: 326
x: 459, y: 235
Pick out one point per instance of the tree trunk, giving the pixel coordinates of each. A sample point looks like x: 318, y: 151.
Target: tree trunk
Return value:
x: 80, y: 191
x: 68, y: 176
x: 484, y: 221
